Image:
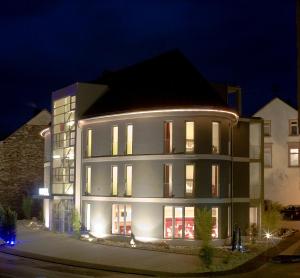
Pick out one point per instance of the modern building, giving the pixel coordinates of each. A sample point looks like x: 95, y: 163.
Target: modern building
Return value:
x: 139, y: 149
x: 281, y: 152
x: 21, y: 162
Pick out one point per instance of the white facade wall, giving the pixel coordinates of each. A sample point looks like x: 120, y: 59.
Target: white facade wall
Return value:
x: 282, y: 183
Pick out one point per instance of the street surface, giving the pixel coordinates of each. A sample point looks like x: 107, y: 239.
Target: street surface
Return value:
x: 18, y: 267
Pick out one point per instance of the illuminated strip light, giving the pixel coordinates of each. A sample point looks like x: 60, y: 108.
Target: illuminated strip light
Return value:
x: 236, y: 116
x: 45, y: 131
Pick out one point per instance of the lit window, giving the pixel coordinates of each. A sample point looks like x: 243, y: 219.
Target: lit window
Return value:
x: 189, y: 225
x: 215, y: 181
x: 294, y: 155
x: 189, y: 137
x: 88, y: 179
x: 293, y: 127
x: 88, y: 217
x: 89, y: 143
x: 114, y: 181
x: 253, y: 215
x: 215, y: 137
x: 128, y: 180
x: 189, y: 179
x: 267, y: 128
x: 168, y: 180
x: 121, y: 219
x: 179, y: 222
x: 115, y: 140
x: 129, y: 139
x: 168, y: 137
x: 215, y: 224
x: 268, y: 155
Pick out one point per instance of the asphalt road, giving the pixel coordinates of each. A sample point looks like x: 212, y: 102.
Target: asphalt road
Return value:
x: 18, y: 267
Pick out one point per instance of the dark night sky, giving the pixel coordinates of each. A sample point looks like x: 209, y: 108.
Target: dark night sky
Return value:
x: 46, y: 45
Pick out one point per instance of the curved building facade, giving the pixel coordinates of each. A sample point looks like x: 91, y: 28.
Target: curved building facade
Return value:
x: 146, y: 171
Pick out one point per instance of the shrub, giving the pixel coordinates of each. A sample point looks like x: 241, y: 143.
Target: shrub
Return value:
x: 271, y: 218
x: 76, y: 224
x: 27, y: 207
x: 9, y: 225
x: 203, y: 224
x: 207, y: 254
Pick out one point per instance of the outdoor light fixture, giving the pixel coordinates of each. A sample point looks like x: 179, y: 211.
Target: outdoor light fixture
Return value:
x: 268, y: 235
x: 55, y: 156
x: 43, y: 191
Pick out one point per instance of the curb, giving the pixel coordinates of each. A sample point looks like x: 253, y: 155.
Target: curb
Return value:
x: 250, y: 265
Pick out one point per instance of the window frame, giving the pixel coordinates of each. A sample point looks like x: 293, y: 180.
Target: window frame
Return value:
x: 126, y: 180
x: 170, y: 188
x: 269, y: 146
x: 168, y: 149
x: 269, y: 124
x: 186, y: 139
x: 293, y: 145
x: 127, y: 141
x: 112, y: 180
x: 113, y: 141
x: 291, y: 125
x: 217, y: 165
x: 186, y: 194
x: 218, y: 151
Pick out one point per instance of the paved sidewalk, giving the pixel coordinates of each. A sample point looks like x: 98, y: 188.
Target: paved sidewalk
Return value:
x: 63, y: 247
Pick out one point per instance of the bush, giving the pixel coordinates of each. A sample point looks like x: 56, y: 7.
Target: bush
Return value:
x: 27, y: 207
x: 76, y: 224
x: 8, y: 225
x: 271, y: 218
x: 207, y: 254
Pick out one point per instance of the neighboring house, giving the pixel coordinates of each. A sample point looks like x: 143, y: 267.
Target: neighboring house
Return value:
x: 140, y: 150
x: 21, y: 155
x: 281, y: 152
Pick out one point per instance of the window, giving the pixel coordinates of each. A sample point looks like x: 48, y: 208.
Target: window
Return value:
x: 89, y: 143
x: 114, y: 180
x: 168, y: 137
x: 189, y: 137
x: 189, y: 179
x: 293, y: 154
x: 215, y: 137
x: 215, y: 181
x: 229, y: 221
x: 128, y: 180
x: 215, y: 222
x: 267, y: 128
x: 121, y: 219
x: 253, y: 215
x: 168, y: 180
x: 293, y: 128
x: 179, y: 222
x: 88, y: 179
x: 115, y: 132
x: 268, y: 155
x: 129, y: 137
x: 88, y: 217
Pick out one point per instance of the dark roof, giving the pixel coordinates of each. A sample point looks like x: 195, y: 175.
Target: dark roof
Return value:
x: 168, y: 80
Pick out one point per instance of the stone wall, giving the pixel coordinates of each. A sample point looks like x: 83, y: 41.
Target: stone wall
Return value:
x: 22, y: 163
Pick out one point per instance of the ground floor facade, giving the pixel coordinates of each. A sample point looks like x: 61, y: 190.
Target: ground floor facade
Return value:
x: 150, y: 218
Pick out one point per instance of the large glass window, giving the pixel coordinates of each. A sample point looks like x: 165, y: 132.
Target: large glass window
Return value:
x: 178, y: 222
x: 88, y: 217
x: 267, y: 155
x: 215, y: 222
x: 115, y: 134
x: 128, y: 180
x: 88, y: 179
x: 189, y: 137
x: 253, y: 215
x: 267, y: 128
x: 89, y: 143
x: 121, y: 219
x: 215, y: 137
x: 64, y: 130
x: 189, y: 179
x: 168, y: 180
x: 293, y: 154
x: 114, y: 180
x: 215, y: 180
x: 129, y: 139
x: 168, y: 137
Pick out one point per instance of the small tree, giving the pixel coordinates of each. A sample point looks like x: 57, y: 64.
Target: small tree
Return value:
x: 76, y: 224
x: 27, y: 207
x: 9, y: 225
x: 203, y: 231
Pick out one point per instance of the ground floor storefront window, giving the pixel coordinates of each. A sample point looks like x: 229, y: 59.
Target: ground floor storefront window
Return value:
x: 121, y: 219
x: 215, y: 222
x: 178, y: 222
